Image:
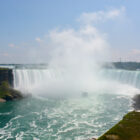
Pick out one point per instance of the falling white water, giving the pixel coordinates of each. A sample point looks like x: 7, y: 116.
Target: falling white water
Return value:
x: 27, y: 80
x: 48, y: 81
x: 123, y: 76
x: 51, y: 81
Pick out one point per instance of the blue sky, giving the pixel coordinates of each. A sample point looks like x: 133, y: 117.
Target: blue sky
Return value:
x: 24, y: 23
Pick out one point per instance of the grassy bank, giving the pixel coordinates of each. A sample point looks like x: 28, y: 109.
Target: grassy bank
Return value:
x: 7, y: 93
x: 127, y: 129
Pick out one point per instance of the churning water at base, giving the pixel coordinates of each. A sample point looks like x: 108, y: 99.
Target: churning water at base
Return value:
x: 63, y: 117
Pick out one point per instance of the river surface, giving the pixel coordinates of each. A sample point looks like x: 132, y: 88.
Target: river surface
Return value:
x: 61, y: 119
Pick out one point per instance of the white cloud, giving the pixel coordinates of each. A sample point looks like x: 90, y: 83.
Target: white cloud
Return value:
x: 101, y: 16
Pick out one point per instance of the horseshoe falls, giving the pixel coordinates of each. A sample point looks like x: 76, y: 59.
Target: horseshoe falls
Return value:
x: 30, y: 80
x: 59, y: 109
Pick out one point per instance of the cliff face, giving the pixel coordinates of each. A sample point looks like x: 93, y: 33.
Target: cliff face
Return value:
x: 7, y: 93
x: 7, y: 76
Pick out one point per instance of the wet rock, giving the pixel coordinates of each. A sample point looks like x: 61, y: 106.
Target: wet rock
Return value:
x: 136, y: 102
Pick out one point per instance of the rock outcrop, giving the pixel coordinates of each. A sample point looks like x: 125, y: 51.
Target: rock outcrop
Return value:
x: 7, y: 93
x: 136, y: 102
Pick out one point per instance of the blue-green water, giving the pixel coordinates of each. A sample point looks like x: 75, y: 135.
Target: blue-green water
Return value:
x: 73, y: 118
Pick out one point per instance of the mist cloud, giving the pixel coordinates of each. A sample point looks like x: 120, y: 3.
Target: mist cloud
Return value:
x: 88, y: 40
x: 69, y: 43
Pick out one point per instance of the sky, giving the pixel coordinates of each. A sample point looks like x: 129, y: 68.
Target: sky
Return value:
x: 31, y: 29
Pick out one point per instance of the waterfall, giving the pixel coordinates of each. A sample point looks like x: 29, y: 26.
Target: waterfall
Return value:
x: 123, y: 76
x: 29, y: 80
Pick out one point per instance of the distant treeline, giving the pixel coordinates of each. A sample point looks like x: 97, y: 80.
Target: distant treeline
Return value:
x: 124, y: 65
x: 118, y: 65
x: 26, y: 66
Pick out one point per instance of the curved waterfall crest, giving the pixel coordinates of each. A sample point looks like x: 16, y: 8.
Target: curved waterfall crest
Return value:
x: 27, y: 80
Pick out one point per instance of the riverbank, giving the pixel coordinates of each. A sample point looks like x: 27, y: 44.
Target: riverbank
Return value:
x: 127, y: 129
x: 7, y: 93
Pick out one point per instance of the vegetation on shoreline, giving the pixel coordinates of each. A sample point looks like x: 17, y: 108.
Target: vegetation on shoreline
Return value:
x: 127, y: 65
x: 6, y: 75
x: 126, y: 129
x: 3, y: 68
x: 7, y: 93
x: 4, y: 90
x: 123, y: 65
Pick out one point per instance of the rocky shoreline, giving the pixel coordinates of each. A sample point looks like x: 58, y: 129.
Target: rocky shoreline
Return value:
x: 7, y: 93
x: 136, y: 102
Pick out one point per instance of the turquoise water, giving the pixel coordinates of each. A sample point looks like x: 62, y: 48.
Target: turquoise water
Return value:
x: 73, y: 118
